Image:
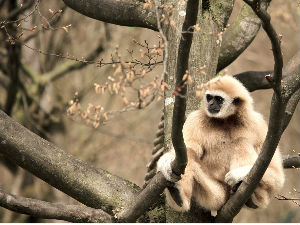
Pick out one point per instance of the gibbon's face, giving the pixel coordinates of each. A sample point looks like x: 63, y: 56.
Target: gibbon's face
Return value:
x: 219, y: 105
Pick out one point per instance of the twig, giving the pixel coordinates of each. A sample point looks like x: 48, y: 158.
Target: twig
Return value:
x: 20, y: 10
x: 281, y: 197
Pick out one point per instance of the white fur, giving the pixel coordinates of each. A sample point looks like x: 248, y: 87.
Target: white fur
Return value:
x: 237, y: 175
x: 164, y: 165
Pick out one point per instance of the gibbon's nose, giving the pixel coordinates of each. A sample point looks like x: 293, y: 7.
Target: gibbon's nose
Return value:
x: 214, y: 108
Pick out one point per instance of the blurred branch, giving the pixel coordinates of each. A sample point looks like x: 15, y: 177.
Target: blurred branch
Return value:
x: 126, y: 13
x: 291, y: 161
x: 48, y: 26
x: 13, y: 62
x: 4, y: 81
x: 239, y: 35
x: 3, y: 68
x: 47, y: 210
x: 93, y: 187
x: 70, y: 66
x: 16, y: 12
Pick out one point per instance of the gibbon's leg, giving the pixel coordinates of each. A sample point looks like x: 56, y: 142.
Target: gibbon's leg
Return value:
x: 209, y: 192
x: 179, y: 196
x: 271, y: 182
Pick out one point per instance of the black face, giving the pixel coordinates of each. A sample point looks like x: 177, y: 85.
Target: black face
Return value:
x: 214, y: 103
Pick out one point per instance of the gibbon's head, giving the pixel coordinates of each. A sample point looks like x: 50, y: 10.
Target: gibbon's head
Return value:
x: 225, y: 96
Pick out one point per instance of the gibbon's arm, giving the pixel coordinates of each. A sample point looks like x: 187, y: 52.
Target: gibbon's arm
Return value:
x: 175, y: 195
x: 164, y: 165
x: 242, y: 159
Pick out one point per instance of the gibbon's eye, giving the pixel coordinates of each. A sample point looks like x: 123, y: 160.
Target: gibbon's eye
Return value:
x: 219, y: 99
x: 236, y: 101
x: 209, y: 97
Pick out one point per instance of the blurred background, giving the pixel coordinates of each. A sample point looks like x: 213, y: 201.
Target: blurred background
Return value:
x: 122, y: 146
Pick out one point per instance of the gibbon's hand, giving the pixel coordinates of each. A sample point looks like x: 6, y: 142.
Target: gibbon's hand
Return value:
x: 164, y: 165
x: 235, y: 176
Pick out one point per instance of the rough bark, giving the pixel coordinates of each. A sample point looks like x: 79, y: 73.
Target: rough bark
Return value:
x: 204, y: 52
x: 125, y: 13
x: 94, y: 187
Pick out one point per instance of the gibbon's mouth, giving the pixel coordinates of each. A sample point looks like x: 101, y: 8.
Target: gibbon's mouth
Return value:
x: 213, y: 111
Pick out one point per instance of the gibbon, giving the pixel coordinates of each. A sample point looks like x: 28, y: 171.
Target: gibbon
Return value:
x: 223, y: 139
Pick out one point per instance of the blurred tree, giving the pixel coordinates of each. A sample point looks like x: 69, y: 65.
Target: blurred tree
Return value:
x: 195, y: 38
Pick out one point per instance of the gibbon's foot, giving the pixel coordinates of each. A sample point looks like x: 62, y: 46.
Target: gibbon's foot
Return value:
x: 249, y: 203
x: 235, y: 176
x: 235, y: 187
x: 164, y: 165
x: 174, y: 192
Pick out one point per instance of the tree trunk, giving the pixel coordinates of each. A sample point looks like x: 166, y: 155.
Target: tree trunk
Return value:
x: 212, y: 18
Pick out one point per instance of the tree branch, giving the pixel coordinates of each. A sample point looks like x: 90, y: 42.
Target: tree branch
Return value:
x: 20, y: 10
x: 291, y: 83
x: 94, y: 187
x: 70, y: 66
x: 46, y: 210
x: 239, y: 36
x: 125, y: 13
x: 4, y: 81
x: 178, y: 119
x: 254, y: 80
x: 260, y: 10
x: 247, y: 187
x: 291, y: 161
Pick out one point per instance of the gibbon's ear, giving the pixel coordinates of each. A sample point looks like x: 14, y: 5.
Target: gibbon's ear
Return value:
x: 237, y: 101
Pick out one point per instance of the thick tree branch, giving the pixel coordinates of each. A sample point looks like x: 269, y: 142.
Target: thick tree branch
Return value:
x: 290, y: 109
x: 291, y: 83
x: 126, y: 12
x: 94, y: 187
x: 239, y: 35
x: 254, y: 80
x: 47, y: 210
x: 178, y: 119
